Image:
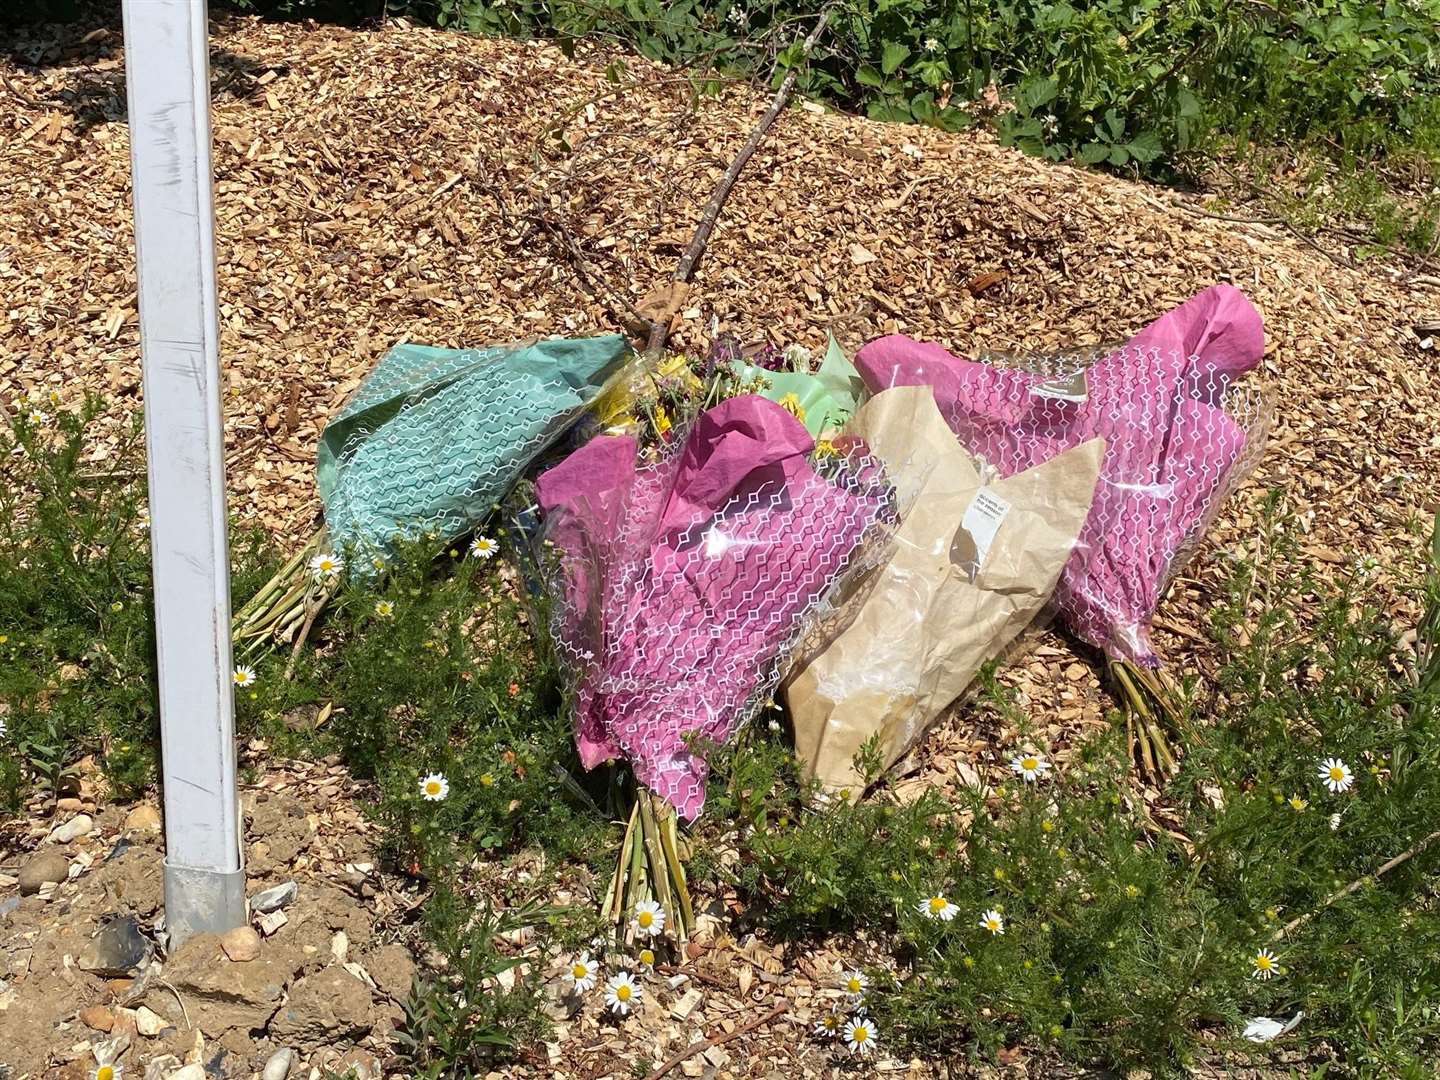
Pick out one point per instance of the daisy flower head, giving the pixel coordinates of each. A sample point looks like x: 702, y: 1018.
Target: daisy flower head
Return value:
x: 37, y: 417
x: 244, y: 676
x: 384, y: 609
x: 993, y: 921
x: 829, y: 1025
x: 482, y: 547
x: 1336, y: 775
x: 854, y: 983
x: 325, y: 566
x: 1264, y: 964
x: 1297, y: 804
x: 1334, y: 822
x: 622, y: 993
x: 106, y: 1072
x: 434, y: 787
x: 649, y: 918
x: 860, y: 1035
x: 646, y: 958
x: 1029, y: 767
x: 937, y: 907
x: 582, y: 974
x: 932, y: 45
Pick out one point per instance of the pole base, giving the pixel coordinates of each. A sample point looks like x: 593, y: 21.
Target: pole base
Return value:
x: 202, y: 902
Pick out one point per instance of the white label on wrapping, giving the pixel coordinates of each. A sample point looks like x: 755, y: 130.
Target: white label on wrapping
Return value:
x: 982, y: 521
x: 1071, y: 388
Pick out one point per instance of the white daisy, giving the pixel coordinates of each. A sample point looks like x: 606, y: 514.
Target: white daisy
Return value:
x: 582, y: 973
x: 622, y: 992
x: 384, y: 609
x: 36, y: 417
x: 244, y: 676
x: 937, y: 907
x: 106, y: 1072
x: 646, y: 958
x: 482, y: 547
x: 993, y: 921
x: 828, y: 1026
x: 1264, y: 964
x: 649, y: 918
x: 932, y: 45
x: 1297, y: 804
x: 854, y: 983
x: 1334, y: 822
x: 326, y: 566
x: 1030, y: 767
x: 860, y: 1035
x: 434, y: 787
x: 1336, y: 775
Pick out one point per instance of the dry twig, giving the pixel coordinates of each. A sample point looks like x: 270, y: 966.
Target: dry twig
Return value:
x: 716, y: 1040
x: 1355, y: 886
x: 695, y: 250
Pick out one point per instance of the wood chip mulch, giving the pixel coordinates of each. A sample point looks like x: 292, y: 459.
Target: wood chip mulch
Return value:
x: 408, y: 184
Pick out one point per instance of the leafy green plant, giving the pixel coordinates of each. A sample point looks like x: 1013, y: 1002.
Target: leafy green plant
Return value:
x: 1132, y: 940
x: 462, y: 1021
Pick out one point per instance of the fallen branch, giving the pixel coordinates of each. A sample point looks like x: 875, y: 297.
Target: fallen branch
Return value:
x: 1356, y: 885
x: 695, y: 250
x: 716, y: 1040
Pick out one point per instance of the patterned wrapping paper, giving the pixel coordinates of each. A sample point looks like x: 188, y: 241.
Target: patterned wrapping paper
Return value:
x: 1179, y: 434
x: 433, y: 438
x: 684, y: 582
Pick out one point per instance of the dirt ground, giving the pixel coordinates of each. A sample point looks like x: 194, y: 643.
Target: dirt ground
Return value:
x: 406, y: 184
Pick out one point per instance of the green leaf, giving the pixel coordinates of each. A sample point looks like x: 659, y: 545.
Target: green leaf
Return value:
x: 868, y: 76
x: 1118, y: 155
x: 1093, y: 153
x: 1116, y: 123
x: 1035, y: 92
x: 1145, y: 147
x: 893, y: 56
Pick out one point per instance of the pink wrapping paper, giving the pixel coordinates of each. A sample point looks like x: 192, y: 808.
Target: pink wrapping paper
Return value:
x: 685, y: 580
x: 1170, y: 446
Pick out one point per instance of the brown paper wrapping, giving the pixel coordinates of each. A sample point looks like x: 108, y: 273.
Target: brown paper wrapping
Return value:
x: 924, y: 623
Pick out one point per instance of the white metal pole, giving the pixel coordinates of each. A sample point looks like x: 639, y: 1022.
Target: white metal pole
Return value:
x: 167, y: 76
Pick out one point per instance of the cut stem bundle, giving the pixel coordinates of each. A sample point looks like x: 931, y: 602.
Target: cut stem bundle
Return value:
x: 650, y: 866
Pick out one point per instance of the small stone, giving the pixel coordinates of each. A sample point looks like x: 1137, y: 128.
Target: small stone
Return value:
x: 340, y: 946
x: 116, y: 950
x: 148, y: 1023
x: 70, y: 806
x: 188, y: 1072
x: 144, y: 818
x: 97, y: 1017
x: 48, y: 866
x: 160, y: 1067
x: 1076, y: 672
x: 273, y: 899
x: 272, y: 921
x: 687, y: 1004
x: 241, y: 944
x: 78, y: 826
x: 277, y: 1067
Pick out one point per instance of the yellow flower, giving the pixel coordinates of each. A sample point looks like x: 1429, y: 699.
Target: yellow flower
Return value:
x: 662, y: 420
x: 824, y: 448
x: 384, y: 609
x: 791, y: 404
x: 1132, y: 891
x: 486, y: 779
x: 1047, y: 825
x: 1297, y: 803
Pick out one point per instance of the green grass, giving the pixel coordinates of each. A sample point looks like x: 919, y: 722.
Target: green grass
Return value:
x: 1130, y: 931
